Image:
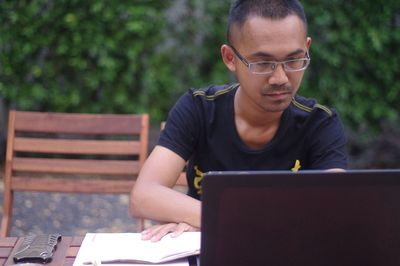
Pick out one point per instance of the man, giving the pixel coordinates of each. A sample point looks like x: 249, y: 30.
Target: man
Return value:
x: 258, y: 124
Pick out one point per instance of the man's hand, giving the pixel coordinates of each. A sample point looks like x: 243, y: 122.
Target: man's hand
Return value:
x: 156, y: 232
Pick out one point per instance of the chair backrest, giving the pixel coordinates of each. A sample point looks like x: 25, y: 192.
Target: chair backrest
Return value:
x: 64, y: 152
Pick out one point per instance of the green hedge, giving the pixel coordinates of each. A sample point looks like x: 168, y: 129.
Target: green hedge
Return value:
x: 356, y: 59
x: 139, y: 56
x: 80, y: 56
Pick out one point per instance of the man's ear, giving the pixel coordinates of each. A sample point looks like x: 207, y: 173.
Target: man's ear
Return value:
x: 228, y: 57
x: 309, y: 41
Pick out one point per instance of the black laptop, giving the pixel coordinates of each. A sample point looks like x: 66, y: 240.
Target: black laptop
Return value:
x: 305, y: 218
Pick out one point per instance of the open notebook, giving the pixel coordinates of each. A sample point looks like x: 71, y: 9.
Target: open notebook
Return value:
x: 305, y: 218
x: 129, y: 249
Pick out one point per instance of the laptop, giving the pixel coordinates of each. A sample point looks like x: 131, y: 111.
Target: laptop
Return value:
x: 304, y: 218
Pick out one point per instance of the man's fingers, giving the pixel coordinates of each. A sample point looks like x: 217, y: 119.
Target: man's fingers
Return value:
x: 168, y: 228
x: 156, y: 232
x: 180, y: 228
x: 149, y: 232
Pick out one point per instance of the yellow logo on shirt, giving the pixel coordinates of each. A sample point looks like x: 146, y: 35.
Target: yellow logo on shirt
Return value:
x: 197, y: 179
x: 296, y: 166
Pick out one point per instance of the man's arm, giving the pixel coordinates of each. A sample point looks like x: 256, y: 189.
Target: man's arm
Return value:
x: 153, y: 196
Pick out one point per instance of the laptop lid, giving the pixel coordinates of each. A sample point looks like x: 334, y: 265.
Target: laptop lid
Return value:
x: 305, y: 218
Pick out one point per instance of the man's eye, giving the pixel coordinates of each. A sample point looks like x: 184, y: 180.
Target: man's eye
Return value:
x: 265, y: 63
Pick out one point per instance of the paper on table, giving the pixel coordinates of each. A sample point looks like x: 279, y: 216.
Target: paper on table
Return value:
x: 179, y: 262
x: 129, y: 248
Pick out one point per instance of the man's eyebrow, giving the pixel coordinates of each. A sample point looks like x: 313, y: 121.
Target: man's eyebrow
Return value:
x: 298, y: 51
x: 266, y: 54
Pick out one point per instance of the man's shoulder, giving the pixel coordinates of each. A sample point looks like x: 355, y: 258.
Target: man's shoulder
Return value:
x: 213, y: 92
x: 306, y: 106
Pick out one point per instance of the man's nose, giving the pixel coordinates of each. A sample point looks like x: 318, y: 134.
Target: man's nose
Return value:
x: 278, y: 77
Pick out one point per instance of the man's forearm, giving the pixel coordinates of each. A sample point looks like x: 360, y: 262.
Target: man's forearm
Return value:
x: 166, y: 205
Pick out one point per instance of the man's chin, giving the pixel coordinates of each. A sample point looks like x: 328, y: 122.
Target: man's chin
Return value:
x: 277, y: 106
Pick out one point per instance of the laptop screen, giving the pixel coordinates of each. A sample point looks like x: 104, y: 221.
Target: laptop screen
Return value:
x: 305, y: 218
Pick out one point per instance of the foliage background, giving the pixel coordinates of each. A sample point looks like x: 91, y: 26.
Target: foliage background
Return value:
x: 138, y: 56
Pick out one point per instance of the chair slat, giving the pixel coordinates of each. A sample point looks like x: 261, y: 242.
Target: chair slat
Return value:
x: 76, y: 166
x: 72, y: 186
x: 111, y: 147
x: 79, y: 123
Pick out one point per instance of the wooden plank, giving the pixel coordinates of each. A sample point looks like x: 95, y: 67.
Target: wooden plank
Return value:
x: 8, y: 241
x: 62, y: 256
x: 72, y: 252
x: 69, y: 261
x: 6, y: 246
x: 72, y: 166
x: 60, y: 253
x: 15, y: 248
x: 5, y: 252
x: 78, y: 146
x: 73, y: 249
x: 77, y: 241
x: 80, y: 123
x: 7, y: 193
x: 58, y: 256
x: 72, y: 186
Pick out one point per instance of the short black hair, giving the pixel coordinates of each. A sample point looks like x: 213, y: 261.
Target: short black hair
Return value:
x: 274, y: 9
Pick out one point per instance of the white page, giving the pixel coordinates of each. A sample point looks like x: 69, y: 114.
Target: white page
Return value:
x: 129, y: 247
x: 179, y: 262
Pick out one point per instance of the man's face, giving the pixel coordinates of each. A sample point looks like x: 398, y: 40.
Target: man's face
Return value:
x: 261, y: 39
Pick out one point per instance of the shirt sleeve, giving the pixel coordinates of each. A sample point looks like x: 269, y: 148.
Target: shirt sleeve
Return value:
x: 181, y: 132
x: 328, y: 144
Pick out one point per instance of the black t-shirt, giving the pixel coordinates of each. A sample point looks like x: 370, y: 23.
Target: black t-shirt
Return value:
x: 201, y: 129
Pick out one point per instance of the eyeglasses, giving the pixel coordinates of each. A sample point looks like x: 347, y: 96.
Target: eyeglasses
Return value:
x: 268, y: 67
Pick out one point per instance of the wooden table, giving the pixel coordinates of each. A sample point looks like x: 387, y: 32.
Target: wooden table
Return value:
x: 65, y: 254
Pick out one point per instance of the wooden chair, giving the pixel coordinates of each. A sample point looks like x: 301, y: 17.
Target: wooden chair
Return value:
x: 84, y: 153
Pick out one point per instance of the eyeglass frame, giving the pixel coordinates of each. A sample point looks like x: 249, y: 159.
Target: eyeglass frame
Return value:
x: 274, y: 63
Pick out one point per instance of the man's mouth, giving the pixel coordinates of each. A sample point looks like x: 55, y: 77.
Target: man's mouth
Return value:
x: 276, y: 91
x: 277, y: 94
